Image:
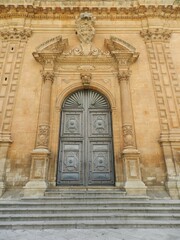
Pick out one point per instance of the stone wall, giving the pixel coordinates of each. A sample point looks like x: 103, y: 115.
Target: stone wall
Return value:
x: 133, y: 42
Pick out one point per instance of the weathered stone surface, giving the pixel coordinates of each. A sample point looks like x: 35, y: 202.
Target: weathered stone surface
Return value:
x: 129, y: 53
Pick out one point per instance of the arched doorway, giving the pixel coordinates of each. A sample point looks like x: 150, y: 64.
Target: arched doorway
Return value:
x: 86, y: 148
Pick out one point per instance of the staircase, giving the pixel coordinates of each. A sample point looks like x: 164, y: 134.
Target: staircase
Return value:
x: 88, y: 208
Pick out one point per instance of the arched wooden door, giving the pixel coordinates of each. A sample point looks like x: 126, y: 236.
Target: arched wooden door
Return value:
x: 86, y: 149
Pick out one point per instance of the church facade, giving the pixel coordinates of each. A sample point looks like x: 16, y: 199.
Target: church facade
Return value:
x: 90, y: 96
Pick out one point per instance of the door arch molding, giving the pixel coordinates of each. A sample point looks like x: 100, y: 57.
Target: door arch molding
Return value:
x: 94, y: 86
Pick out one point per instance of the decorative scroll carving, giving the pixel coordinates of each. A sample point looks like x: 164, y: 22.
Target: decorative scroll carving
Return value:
x: 156, y: 34
x: 124, y: 75
x: 16, y: 34
x: 47, y: 76
x: 86, y: 79
x: 128, y: 135
x: 43, y: 136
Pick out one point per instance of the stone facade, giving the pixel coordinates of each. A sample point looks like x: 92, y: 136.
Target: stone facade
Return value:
x: 126, y: 50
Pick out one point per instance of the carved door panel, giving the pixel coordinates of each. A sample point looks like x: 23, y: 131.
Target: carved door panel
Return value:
x: 85, y: 151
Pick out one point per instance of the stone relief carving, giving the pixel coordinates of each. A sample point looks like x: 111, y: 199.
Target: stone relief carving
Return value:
x: 124, y: 75
x: 86, y: 79
x: 156, y: 34
x: 85, y: 27
x: 16, y: 34
x: 85, y: 32
x: 128, y: 135
x: 43, y: 136
x: 47, y: 76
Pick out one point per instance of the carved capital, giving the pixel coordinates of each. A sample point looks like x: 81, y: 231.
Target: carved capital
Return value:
x: 128, y: 135
x: 16, y: 34
x: 124, y: 75
x: 156, y: 34
x: 48, y: 76
x: 86, y: 79
x: 43, y: 136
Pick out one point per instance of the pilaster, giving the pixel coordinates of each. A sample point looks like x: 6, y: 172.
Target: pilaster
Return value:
x: 166, y: 88
x: 11, y: 58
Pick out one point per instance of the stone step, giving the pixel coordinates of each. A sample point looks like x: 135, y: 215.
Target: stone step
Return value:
x: 88, y: 209
x: 84, y: 224
x: 93, y: 204
x: 85, y: 197
x: 88, y: 216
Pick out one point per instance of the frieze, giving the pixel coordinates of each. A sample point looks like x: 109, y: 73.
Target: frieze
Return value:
x: 57, y: 10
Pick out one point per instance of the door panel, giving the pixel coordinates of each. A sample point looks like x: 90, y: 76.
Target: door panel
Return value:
x: 85, y: 151
x: 71, y: 163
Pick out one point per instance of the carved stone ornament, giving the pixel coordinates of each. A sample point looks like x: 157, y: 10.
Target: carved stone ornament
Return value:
x: 84, y: 27
x: 86, y: 79
x: 85, y: 32
x: 16, y: 34
x: 157, y: 34
x: 48, y: 76
x: 128, y: 135
x: 43, y: 136
x: 124, y: 75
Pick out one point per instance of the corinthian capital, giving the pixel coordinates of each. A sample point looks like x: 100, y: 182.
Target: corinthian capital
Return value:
x: 124, y: 75
x: 48, y: 76
x: 157, y: 34
x: 16, y: 34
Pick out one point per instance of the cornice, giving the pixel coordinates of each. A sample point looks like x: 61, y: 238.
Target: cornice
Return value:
x: 60, y: 11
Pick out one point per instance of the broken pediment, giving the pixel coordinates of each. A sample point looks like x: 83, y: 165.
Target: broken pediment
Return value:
x: 50, y: 49
x: 121, y: 50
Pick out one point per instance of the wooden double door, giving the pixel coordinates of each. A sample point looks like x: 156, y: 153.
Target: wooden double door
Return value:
x: 85, y: 146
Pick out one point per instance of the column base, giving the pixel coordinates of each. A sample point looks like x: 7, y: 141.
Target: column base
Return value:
x: 2, y: 188
x: 133, y: 183
x: 35, y: 188
x: 37, y: 184
x: 135, y: 188
x: 173, y: 188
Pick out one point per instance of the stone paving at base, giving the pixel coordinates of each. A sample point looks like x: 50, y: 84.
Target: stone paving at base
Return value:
x: 92, y: 234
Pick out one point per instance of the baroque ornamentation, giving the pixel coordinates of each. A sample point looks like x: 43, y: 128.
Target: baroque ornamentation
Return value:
x: 124, y: 75
x: 48, y: 76
x: 16, y: 34
x: 86, y: 79
x: 43, y: 136
x: 84, y: 27
x: 156, y: 34
x: 128, y: 135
